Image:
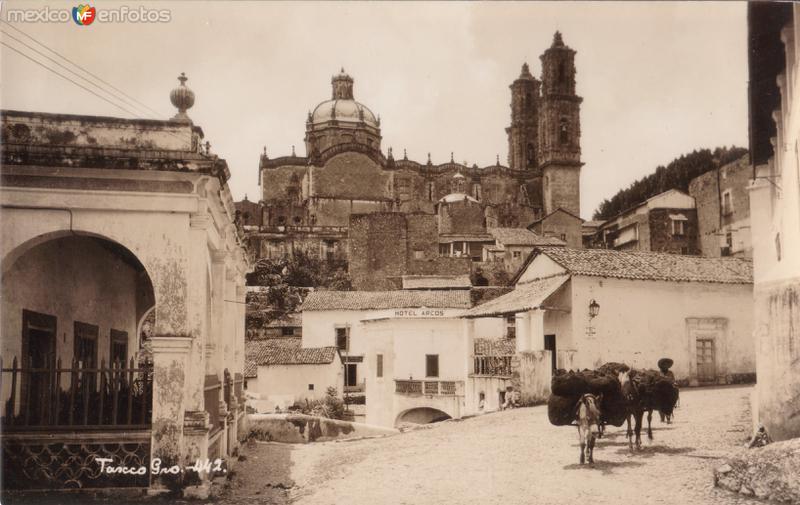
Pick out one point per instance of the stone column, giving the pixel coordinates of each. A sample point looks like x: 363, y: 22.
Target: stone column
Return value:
x: 214, y: 344
x: 468, y: 335
x: 523, y: 324
x: 536, y: 330
x: 170, y: 360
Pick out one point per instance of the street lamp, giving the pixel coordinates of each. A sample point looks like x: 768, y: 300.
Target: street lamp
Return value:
x: 594, y: 308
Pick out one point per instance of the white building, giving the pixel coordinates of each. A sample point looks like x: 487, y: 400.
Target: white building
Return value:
x: 279, y: 372
x: 774, y: 57
x: 592, y: 306
x: 119, y: 251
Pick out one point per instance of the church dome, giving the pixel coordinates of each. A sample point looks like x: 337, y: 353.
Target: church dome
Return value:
x: 343, y: 110
x: 457, y: 197
x: 342, y: 106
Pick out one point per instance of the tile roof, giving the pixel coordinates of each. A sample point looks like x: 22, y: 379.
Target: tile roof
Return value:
x: 526, y: 296
x: 289, y: 320
x: 253, y: 348
x: 284, y: 351
x: 376, y: 300
x: 495, y: 346
x: 651, y: 266
x: 522, y: 236
x: 436, y: 281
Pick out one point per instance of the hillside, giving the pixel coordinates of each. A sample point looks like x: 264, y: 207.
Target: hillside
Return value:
x: 676, y: 175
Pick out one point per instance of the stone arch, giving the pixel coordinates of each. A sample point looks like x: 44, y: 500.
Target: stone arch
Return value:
x: 422, y: 415
x: 76, y: 278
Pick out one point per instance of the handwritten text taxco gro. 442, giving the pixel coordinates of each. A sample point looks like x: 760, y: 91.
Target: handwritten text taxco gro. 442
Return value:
x: 156, y: 467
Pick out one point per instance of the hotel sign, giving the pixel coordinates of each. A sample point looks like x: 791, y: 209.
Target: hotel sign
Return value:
x: 419, y: 313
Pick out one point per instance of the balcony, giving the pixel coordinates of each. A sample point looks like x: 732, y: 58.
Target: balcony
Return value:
x: 492, y: 366
x: 429, y: 387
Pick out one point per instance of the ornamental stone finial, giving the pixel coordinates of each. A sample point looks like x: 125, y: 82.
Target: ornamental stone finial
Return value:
x: 183, y: 99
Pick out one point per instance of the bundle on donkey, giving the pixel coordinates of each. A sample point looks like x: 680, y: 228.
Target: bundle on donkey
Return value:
x: 626, y: 394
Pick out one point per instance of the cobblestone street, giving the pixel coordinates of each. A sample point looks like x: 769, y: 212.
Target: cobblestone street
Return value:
x: 508, y: 457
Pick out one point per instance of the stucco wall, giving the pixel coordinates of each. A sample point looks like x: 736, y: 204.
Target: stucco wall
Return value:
x: 404, y: 344
x: 73, y: 279
x: 283, y: 385
x: 640, y: 322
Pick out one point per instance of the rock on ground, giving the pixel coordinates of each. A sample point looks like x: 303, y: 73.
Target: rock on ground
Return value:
x: 771, y: 472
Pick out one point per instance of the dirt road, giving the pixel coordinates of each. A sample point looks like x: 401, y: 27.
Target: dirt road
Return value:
x: 510, y: 457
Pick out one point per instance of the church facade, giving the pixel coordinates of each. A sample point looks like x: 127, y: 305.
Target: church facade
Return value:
x: 307, y: 202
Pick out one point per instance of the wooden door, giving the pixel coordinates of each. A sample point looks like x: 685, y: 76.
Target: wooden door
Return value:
x: 550, y: 345
x: 39, y: 350
x: 706, y: 360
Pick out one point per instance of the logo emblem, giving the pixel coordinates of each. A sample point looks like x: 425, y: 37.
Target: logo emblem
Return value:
x: 83, y: 14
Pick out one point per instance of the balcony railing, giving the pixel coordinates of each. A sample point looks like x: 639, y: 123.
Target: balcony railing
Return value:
x: 113, y: 396
x: 429, y: 387
x: 493, y: 366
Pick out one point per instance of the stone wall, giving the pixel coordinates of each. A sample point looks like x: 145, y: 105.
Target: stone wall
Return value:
x: 533, y: 371
x: 712, y: 226
x: 777, y: 333
x: 661, y: 237
x: 302, y: 429
x: 461, y: 217
x: 377, y: 250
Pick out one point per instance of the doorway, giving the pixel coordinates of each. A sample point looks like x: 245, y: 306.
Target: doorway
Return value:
x: 550, y: 345
x: 38, y: 355
x: 706, y: 360
x: 351, y: 375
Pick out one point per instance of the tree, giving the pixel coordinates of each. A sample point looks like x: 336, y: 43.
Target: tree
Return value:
x: 676, y: 175
x: 286, y: 281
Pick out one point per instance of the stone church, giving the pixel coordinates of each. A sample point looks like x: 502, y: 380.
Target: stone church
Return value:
x: 308, y: 202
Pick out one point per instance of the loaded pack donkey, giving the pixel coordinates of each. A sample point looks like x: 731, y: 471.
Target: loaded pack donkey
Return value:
x: 587, y: 417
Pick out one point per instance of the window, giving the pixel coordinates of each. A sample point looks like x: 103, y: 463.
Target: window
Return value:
x: 729, y: 239
x: 563, y: 131
x: 86, y: 344
x: 419, y: 254
x: 727, y: 203
x: 531, y: 156
x: 516, y: 255
x: 85, y: 350
x: 678, y: 227
x: 343, y: 338
x: 564, y: 237
x: 329, y: 249
x: 119, y: 346
x: 431, y: 365
x: 287, y: 331
x: 311, y: 387
x: 379, y: 365
x: 511, y: 326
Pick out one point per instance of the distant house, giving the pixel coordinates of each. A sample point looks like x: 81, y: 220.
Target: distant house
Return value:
x: 590, y: 306
x: 513, y: 245
x: 560, y: 224
x: 289, y: 325
x: 666, y: 222
x: 280, y: 372
x: 723, y: 210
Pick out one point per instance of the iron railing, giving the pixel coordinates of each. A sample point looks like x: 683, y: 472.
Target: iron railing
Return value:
x: 77, y: 397
x: 428, y: 387
x: 494, y: 366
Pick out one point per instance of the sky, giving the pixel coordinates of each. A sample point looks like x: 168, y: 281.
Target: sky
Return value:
x: 658, y: 79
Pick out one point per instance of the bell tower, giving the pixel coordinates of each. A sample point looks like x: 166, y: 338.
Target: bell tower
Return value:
x: 523, y: 132
x: 560, y: 129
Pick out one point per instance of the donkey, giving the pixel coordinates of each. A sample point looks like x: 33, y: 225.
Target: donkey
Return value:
x: 587, y: 414
x: 633, y: 408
